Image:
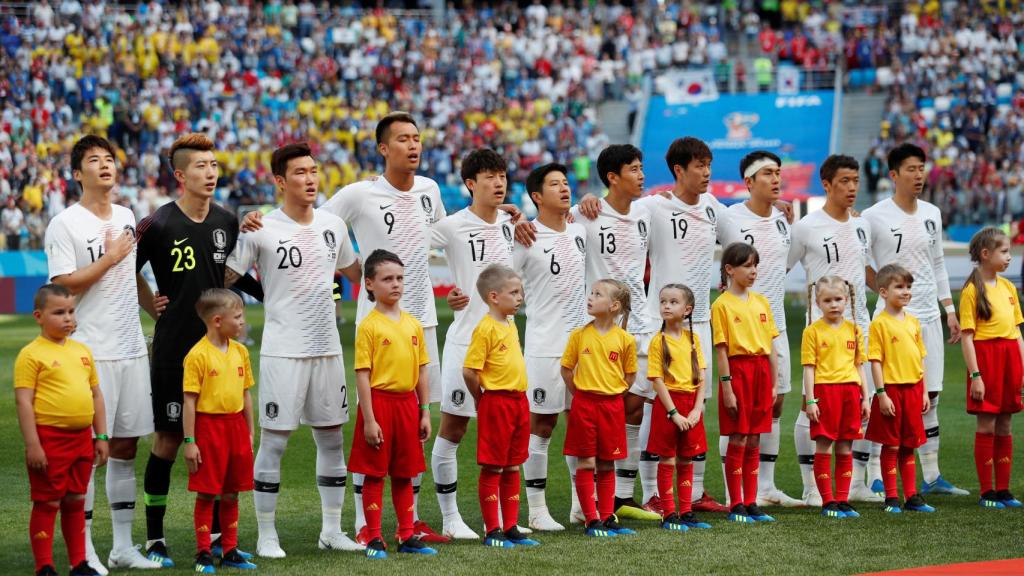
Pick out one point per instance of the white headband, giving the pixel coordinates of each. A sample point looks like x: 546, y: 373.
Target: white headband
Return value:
x: 757, y: 165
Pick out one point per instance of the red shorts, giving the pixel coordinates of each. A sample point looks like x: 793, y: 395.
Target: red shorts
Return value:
x: 666, y: 439
x: 226, y: 451
x: 839, y: 412
x: 597, y: 427
x: 401, y: 454
x: 752, y: 385
x: 69, y: 459
x: 502, y: 428
x: 1000, y: 365
x: 906, y: 428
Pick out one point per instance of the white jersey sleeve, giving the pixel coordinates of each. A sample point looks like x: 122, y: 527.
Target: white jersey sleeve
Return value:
x: 108, y: 311
x: 470, y: 245
x: 771, y: 237
x: 553, y: 271
x: 617, y: 247
x: 683, y: 239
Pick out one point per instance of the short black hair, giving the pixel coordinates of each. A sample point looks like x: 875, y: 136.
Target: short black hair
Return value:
x: 280, y: 158
x: 900, y: 153
x: 86, y: 143
x: 535, y: 180
x: 386, y: 122
x: 831, y: 166
x: 373, y: 261
x: 614, y: 157
x: 754, y: 157
x: 45, y: 291
x: 682, y: 151
x: 482, y: 160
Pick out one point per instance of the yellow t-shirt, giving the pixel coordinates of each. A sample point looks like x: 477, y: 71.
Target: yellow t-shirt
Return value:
x: 745, y: 326
x: 1006, y: 315
x: 680, y: 370
x: 392, y: 351
x: 835, y: 352
x: 494, y: 352
x: 897, y: 344
x: 63, y: 376
x: 219, y: 378
x: 601, y: 361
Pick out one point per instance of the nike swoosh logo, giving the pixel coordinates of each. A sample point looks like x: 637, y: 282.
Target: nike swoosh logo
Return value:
x: 827, y: 239
x: 894, y: 229
x: 549, y: 249
x: 744, y: 230
x: 474, y: 234
x: 91, y: 240
x: 176, y: 242
x: 606, y: 227
x: 284, y: 241
x: 385, y: 207
x: 674, y: 214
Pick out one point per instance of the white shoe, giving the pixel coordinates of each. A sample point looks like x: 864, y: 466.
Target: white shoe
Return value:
x: 812, y: 499
x: 339, y: 541
x: 95, y: 564
x: 269, y: 547
x: 524, y: 529
x: 131, y: 558
x: 861, y: 493
x: 776, y: 497
x: 540, y: 519
x: 454, y: 527
x: 576, y: 516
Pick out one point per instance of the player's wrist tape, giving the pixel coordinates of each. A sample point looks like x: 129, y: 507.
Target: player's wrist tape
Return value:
x: 812, y: 401
x: 425, y: 407
x: 880, y: 390
x: 189, y: 440
x: 975, y: 374
x: 672, y: 413
x: 950, y: 309
x: 102, y: 437
x: 725, y: 378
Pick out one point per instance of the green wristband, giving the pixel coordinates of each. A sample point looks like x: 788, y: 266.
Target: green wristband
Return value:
x: 425, y: 407
x: 672, y: 412
x: 880, y: 390
x: 725, y: 378
x: 102, y: 437
x: 975, y: 374
x: 189, y: 440
x: 812, y: 401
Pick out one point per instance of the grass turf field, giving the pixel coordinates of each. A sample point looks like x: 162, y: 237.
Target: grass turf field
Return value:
x: 801, y: 542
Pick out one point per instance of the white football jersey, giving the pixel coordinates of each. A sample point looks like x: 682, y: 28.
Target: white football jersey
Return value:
x: 108, y: 312
x: 617, y: 248
x: 296, y: 264
x: 683, y: 241
x: 554, y: 279
x: 826, y: 246
x: 913, y: 241
x: 470, y: 245
x: 381, y: 216
x: 771, y: 237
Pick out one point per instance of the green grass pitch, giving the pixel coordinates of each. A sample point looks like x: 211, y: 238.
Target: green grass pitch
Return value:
x: 801, y: 542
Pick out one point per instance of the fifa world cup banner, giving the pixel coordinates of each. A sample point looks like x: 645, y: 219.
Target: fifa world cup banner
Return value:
x: 796, y: 127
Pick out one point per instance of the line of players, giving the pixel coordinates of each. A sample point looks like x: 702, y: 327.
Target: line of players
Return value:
x: 193, y: 245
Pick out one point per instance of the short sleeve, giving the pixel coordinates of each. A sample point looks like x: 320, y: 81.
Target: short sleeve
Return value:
x: 571, y: 353
x: 920, y: 339
x: 147, y: 235
x: 629, y: 363
x: 342, y: 204
x: 26, y: 370
x: 654, y: 358
x: 858, y: 339
x: 364, y: 347
x: 719, y: 324
x: 194, y: 371
x: 60, y: 249
x: 702, y: 362
x: 440, y: 233
x: 875, y: 350
x: 968, y: 308
x: 246, y: 367
x: 797, y: 248
x: 346, y: 253
x: 439, y: 210
x: 479, y: 346
x: 1018, y: 319
x: 768, y: 309
x: 809, y: 347
x: 245, y: 254
x: 424, y: 355
x: 94, y: 377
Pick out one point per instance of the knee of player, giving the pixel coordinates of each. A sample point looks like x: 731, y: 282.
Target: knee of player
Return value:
x: 229, y: 496
x: 123, y: 448
x: 204, y: 496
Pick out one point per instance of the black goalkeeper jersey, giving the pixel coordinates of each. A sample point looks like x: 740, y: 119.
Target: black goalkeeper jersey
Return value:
x: 187, y: 258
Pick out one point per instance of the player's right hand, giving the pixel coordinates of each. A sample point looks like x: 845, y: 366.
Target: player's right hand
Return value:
x: 373, y: 434
x: 118, y: 248
x: 729, y: 401
x: 526, y: 233
x: 682, y: 423
x: 252, y: 222
x: 590, y: 206
x: 160, y: 303
x: 101, y: 448
x: 36, y: 458
x: 977, y: 389
x: 813, y: 412
x: 457, y: 300
x: 885, y: 405
x: 192, y: 457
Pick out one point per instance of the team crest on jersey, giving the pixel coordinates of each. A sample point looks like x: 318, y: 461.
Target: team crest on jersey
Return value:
x: 581, y: 245
x: 507, y: 232
x: 272, y: 410
x: 711, y: 214
x: 220, y: 239
x: 613, y: 356
x: 641, y: 229
x: 330, y: 240
x: 862, y: 236
x: 764, y: 317
x: 174, y: 410
x: 458, y: 398
x: 415, y: 341
x: 539, y: 396
x: 241, y: 371
x: 85, y: 360
x: 129, y: 229
x: 427, y: 204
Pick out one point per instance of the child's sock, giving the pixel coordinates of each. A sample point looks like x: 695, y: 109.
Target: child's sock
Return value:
x: 585, y: 491
x: 734, y: 473
x: 229, y: 524
x: 983, y: 454
x: 665, y: 488
x: 510, y: 498
x: 1003, y: 459
x: 402, y: 498
x: 202, y: 520
x: 487, y: 492
x: 606, y: 492
x: 823, y: 476
x: 684, y: 486
x: 373, y: 504
x: 890, y: 464
x: 72, y: 526
x: 908, y: 471
x: 844, y: 475
x: 751, y: 465
x: 40, y: 531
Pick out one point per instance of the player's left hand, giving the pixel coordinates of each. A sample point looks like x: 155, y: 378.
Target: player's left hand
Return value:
x: 424, y: 427
x: 786, y: 208
x: 927, y: 404
x: 526, y: 233
x: 512, y: 210
x: 373, y: 434
x: 457, y: 300
x: 590, y: 206
x: 954, y: 328
x: 160, y: 303
x: 681, y: 422
x: 192, y: 457
x: 101, y: 448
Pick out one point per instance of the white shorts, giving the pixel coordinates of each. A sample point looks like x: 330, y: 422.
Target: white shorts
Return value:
x: 455, y: 398
x: 641, y: 385
x: 545, y: 387
x: 703, y: 330
x: 935, y: 361
x: 127, y: 396
x: 780, y: 344
x: 309, y: 391
x: 434, y: 366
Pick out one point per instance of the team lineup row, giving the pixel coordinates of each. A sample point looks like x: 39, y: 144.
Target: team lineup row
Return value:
x: 194, y: 245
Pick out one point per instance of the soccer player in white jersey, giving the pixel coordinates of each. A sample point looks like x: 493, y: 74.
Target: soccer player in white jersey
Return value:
x: 553, y: 271
x: 395, y: 212
x: 757, y: 222
x: 472, y: 239
x: 832, y: 241
x: 90, y: 250
x: 908, y: 231
x: 302, y: 374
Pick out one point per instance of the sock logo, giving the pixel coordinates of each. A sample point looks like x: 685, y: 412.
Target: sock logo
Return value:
x: 204, y: 529
x: 41, y: 535
x: 737, y: 471
x: 848, y: 474
x: 514, y: 498
x: 891, y: 471
x: 372, y: 507
x: 1004, y: 460
x: 233, y: 524
x: 824, y: 476
x: 491, y: 498
x: 685, y: 484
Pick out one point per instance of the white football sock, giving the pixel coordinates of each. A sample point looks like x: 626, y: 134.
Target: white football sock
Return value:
x: 769, y: 454
x: 700, y: 463
x: 417, y: 481
x: 648, y: 461
x: 331, y: 475
x: 723, y: 449
x: 874, y: 464
x: 535, y: 471
x: 805, y: 452
x: 445, y: 466
x: 357, y: 500
x: 267, y: 480
x: 570, y: 462
x: 929, y: 452
x: 861, y: 455
x: 90, y: 501
x: 626, y: 469
x: 121, y: 496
